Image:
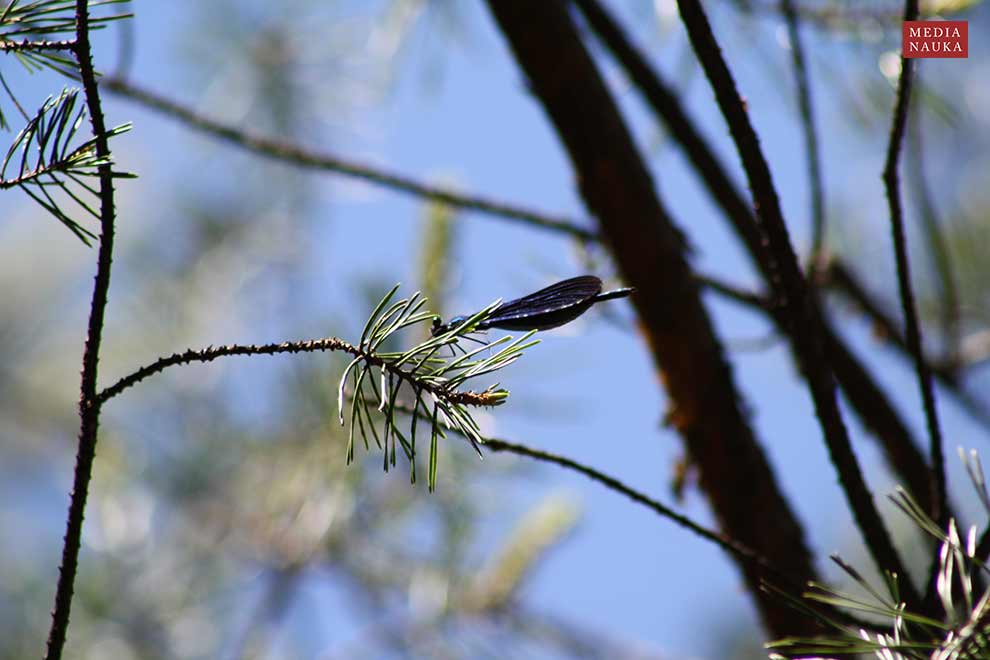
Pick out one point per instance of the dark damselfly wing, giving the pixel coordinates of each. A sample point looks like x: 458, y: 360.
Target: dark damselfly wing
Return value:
x: 555, y: 305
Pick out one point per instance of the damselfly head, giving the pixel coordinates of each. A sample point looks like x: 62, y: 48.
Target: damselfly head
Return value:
x: 439, y: 328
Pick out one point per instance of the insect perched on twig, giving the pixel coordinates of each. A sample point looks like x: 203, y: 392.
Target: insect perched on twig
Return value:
x: 547, y: 308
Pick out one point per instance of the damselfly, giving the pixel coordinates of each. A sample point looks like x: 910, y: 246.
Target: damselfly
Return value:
x: 547, y: 308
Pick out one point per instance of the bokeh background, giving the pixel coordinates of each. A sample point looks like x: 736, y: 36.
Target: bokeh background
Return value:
x: 223, y: 521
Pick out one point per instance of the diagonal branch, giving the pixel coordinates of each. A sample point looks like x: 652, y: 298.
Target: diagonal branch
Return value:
x: 803, y: 322
x: 723, y: 541
x: 726, y: 543
x: 303, y: 157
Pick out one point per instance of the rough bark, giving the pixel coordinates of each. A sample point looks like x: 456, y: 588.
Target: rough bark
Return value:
x: 651, y: 253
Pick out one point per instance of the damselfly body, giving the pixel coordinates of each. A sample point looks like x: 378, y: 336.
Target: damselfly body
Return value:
x: 547, y: 308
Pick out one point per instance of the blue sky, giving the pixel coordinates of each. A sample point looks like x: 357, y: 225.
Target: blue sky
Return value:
x: 588, y: 390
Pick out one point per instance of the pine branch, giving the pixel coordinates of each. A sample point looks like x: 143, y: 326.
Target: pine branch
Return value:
x: 331, y: 344
x: 911, y: 634
x: 27, y: 30
x: 419, y: 368
x: 44, y: 18
x: 43, y: 158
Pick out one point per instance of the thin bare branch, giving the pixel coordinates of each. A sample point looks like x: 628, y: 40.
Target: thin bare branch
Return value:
x: 722, y: 540
x: 728, y: 544
x: 812, y: 150
x: 947, y: 289
x: 303, y: 157
x: 735, y: 293
x: 845, y: 282
x: 911, y: 325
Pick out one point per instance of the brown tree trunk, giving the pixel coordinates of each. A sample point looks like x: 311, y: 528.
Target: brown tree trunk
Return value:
x: 651, y: 254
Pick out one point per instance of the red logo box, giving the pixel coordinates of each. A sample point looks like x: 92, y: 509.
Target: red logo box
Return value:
x: 940, y: 39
